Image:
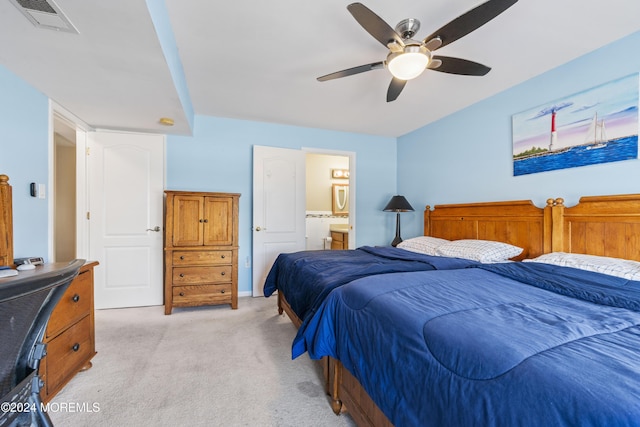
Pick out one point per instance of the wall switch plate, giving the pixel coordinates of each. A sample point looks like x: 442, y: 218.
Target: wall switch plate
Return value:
x: 41, y: 191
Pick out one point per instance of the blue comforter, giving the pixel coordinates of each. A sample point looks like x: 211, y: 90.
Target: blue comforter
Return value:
x: 517, y: 344
x: 306, y: 278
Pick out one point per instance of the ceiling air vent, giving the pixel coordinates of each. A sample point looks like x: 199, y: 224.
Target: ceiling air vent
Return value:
x: 45, y: 14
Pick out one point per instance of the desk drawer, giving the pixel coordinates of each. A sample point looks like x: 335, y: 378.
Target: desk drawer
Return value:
x: 68, y: 352
x: 74, y: 304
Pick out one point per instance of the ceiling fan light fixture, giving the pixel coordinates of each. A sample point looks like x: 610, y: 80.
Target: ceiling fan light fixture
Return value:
x: 409, y: 63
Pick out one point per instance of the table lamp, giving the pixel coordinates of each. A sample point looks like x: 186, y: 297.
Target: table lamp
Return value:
x: 398, y: 204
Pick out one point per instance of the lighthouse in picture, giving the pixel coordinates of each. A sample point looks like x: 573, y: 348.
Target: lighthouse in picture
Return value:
x: 554, y: 134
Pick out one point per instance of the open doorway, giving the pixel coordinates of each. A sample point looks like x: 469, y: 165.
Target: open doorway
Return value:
x: 67, y: 182
x: 64, y: 190
x: 327, y: 201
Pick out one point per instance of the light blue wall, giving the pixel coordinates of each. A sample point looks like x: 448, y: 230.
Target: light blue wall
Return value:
x: 24, y: 121
x: 466, y: 156
x: 218, y: 157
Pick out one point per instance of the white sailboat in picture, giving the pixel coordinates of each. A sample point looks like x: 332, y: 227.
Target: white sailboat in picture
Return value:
x: 596, y: 135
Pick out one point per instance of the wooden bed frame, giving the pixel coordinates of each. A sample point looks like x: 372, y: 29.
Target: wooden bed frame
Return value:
x: 597, y: 225
x: 519, y: 223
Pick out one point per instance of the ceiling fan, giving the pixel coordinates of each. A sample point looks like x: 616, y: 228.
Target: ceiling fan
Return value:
x: 408, y: 58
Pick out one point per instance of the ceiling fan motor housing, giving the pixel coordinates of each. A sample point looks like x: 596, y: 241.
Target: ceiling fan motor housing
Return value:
x: 408, y: 28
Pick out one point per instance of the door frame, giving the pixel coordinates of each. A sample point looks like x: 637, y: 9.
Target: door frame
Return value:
x: 58, y: 112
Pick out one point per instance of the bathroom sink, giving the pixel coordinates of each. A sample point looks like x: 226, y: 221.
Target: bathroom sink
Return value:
x: 342, y: 228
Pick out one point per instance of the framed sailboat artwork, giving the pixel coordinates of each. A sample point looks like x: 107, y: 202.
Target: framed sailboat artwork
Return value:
x: 599, y: 125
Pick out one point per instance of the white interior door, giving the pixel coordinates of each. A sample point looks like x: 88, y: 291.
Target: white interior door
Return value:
x: 278, y: 207
x: 126, y: 184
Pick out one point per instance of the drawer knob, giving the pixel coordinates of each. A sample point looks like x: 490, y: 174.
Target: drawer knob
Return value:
x: 181, y: 294
x: 76, y: 298
x: 181, y: 274
x: 76, y: 347
x: 222, y: 256
x: 222, y: 291
x: 223, y: 273
x: 182, y: 257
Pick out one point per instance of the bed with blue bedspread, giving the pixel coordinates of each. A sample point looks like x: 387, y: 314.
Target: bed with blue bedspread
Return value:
x: 526, y: 344
x: 305, y: 278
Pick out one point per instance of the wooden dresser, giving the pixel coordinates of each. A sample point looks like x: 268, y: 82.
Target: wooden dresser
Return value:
x: 6, y: 222
x: 200, y: 249
x: 70, y: 335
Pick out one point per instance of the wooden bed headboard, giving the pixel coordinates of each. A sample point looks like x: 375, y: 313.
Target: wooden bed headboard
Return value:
x: 519, y: 223
x: 598, y: 225
x: 6, y: 222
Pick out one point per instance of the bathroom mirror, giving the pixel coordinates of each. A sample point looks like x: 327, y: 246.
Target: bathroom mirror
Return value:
x: 340, y: 199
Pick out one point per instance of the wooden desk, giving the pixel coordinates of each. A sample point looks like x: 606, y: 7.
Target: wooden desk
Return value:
x: 70, y: 335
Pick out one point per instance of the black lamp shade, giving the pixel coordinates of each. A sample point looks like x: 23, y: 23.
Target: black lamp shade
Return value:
x: 398, y: 204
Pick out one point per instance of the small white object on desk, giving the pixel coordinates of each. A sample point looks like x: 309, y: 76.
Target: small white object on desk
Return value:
x: 8, y: 272
x: 26, y: 267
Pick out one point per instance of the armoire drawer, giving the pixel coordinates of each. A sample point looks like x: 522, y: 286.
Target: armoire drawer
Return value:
x: 201, y: 275
x: 202, y: 257
x: 202, y: 294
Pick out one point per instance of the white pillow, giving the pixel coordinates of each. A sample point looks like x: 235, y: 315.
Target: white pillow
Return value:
x: 424, y: 244
x: 618, y: 267
x: 484, y: 251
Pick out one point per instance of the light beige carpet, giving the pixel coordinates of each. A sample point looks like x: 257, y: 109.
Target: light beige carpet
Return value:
x: 204, y: 366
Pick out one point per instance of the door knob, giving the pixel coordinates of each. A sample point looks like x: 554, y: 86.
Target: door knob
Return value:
x: 156, y: 228
x: 258, y: 228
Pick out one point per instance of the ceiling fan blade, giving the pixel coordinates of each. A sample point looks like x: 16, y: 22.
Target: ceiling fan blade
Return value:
x: 351, y: 71
x: 470, y: 21
x: 374, y: 25
x: 451, y: 65
x: 395, y: 88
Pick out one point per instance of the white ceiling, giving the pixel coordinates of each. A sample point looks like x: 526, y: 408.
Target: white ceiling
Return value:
x: 258, y: 60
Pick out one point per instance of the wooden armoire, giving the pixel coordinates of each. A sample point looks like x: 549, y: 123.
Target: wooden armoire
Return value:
x: 200, y: 249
